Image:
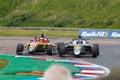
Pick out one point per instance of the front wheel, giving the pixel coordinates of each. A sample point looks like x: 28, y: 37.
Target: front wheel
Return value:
x: 94, y: 51
x: 98, y: 53
x: 20, y: 48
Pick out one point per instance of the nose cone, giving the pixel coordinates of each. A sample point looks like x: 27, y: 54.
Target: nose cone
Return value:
x: 77, y: 49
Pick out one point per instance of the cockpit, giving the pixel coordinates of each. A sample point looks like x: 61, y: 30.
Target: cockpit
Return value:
x: 79, y: 41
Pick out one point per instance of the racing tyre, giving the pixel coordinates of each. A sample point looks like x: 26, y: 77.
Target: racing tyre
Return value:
x: 49, y: 50
x: 61, y: 50
x: 59, y: 44
x: 97, y: 45
x: 94, y: 51
x: 20, y: 49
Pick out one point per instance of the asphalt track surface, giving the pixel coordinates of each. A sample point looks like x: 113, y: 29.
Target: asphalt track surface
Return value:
x: 109, y: 50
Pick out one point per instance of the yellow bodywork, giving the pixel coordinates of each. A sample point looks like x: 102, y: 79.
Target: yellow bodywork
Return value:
x: 39, y: 43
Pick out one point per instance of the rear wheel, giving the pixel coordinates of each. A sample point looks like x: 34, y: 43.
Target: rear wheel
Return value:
x: 49, y: 50
x: 61, y: 50
x: 94, y: 51
x: 19, y: 49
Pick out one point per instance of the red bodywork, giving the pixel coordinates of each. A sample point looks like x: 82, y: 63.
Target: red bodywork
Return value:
x: 42, y: 40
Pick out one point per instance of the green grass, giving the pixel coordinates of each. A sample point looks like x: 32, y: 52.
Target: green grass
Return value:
x: 3, y: 63
x: 33, y: 33
x: 95, y: 14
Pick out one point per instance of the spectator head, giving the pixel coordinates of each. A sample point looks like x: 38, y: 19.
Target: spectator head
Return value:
x: 57, y: 72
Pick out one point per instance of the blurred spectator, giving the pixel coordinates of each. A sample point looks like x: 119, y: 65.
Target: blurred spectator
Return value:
x: 57, y: 72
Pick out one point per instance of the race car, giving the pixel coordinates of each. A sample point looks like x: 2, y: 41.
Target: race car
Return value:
x: 77, y: 47
x: 37, y: 46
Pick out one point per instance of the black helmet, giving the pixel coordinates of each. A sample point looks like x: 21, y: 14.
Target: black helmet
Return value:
x: 79, y: 36
x: 42, y: 35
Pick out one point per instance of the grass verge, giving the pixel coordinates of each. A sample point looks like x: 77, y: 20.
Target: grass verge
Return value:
x: 3, y: 63
x: 32, y: 33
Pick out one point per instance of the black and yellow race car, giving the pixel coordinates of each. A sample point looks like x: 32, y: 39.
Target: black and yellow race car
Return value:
x: 78, y: 47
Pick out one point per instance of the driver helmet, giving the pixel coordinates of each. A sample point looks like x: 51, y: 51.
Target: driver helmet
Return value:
x: 42, y: 35
x: 79, y: 42
x: 79, y: 36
